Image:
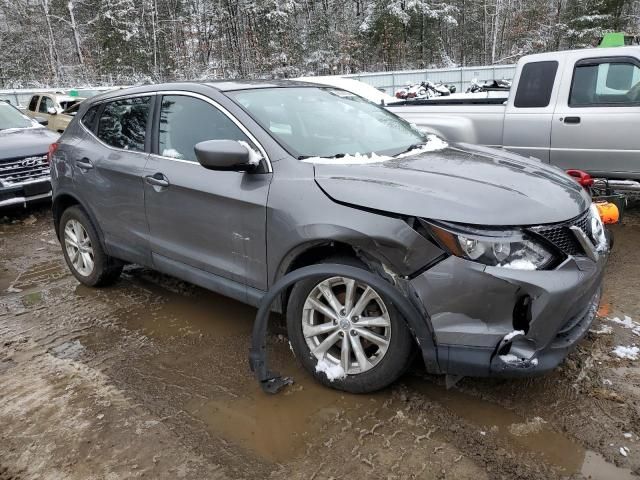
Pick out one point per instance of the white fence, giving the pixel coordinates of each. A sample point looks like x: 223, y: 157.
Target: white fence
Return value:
x: 460, y: 77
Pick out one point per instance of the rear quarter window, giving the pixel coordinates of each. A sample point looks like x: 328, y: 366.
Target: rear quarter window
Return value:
x: 123, y: 123
x: 536, y: 84
x: 89, y: 118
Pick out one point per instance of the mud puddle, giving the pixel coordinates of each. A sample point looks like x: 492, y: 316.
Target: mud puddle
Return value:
x: 532, y: 435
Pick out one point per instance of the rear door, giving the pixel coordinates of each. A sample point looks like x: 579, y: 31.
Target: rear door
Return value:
x: 108, y: 170
x: 212, y: 221
x: 528, y: 117
x: 595, y: 126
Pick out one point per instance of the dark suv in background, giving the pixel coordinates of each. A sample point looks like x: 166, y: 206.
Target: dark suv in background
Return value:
x: 24, y: 170
x: 231, y: 185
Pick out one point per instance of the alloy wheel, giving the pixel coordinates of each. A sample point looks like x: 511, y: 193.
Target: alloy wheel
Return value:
x: 79, y: 248
x: 346, y: 323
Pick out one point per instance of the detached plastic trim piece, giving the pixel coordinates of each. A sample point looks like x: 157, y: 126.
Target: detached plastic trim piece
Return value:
x: 272, y: 382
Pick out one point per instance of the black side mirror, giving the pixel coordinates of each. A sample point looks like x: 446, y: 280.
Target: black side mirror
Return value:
x: 225, y: 155
x: 42, y: 121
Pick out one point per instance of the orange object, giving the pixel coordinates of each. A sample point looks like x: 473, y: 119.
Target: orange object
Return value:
x: 609, y: 212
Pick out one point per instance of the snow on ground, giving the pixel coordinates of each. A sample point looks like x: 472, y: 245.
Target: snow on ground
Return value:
x: 630, y: 353
x: 627, y: 322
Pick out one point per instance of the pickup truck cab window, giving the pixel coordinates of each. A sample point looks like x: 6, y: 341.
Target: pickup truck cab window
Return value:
x: 605, y: 83
x: 123, y: 123
x: 186, y: 121
x: 45, y: 104
x: 33, y: 104
x: 536, y: 84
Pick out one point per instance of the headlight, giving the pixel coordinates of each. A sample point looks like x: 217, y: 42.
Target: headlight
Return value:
x: 508, y: 249
x: 597, y: 230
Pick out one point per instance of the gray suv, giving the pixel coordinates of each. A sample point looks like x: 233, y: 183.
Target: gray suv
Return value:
x: 232, y: 185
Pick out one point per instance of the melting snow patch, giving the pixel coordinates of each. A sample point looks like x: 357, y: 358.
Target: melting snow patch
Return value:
x: 512, y: 335
x: 627, y: 435
x: 624, y: 451
x: 510, y: 358
x: 627, y: 323
x: 520, y: 264
x: 333, y: 372
x: 604, y: 330
x: 433, y: 144
x: 254, y: 157
x: 630, y: 353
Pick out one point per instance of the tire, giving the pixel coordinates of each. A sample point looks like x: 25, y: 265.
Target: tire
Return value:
x: 385, y: 364
x: 104, y: 270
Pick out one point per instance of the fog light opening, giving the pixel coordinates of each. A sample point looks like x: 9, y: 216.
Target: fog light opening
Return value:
x: 522, y: 314
x: 504, y: 349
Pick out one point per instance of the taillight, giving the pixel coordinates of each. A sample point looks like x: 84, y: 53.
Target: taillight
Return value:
x: 52, y: 149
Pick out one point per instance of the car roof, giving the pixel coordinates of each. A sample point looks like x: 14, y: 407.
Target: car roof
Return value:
x: 219, y: 85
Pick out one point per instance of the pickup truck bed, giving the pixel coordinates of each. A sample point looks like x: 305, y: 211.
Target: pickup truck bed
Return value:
x: 577, y: 109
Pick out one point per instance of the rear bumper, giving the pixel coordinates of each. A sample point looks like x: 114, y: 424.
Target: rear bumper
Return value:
x: 476, y: 311
x: 23, y: 193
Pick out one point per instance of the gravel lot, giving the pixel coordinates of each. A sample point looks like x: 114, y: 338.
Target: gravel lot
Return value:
x: 149, y: 378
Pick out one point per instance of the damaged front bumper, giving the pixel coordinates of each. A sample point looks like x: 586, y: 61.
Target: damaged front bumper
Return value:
x: 495, y: 321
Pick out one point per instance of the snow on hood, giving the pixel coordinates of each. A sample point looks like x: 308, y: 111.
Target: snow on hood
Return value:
x: 433, y: 144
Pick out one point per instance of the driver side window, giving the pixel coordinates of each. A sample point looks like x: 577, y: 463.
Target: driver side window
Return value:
x: 605, y: 84
x: 45, y: 104
x: 186, y: 121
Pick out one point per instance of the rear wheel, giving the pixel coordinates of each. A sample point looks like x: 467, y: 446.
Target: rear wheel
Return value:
x: 346, y: 334
x: 83, y: 251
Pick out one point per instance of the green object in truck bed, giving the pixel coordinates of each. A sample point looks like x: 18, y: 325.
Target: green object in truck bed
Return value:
x: 618, y: 39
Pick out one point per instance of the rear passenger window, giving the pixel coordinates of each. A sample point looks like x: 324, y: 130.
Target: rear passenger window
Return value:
x: 605, y: 84
x: 33, y: 104
x: 185, y: 121
x: 90, y: 117
x: 123, y: 123
x: 535, y: 84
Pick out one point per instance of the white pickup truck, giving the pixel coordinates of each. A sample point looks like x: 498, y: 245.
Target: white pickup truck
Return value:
x: 576, y: 109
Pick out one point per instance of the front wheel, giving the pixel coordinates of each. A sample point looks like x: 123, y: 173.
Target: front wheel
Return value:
x: 346, y: 335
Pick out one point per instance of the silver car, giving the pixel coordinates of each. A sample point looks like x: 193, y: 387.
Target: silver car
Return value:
x: 232, y: 185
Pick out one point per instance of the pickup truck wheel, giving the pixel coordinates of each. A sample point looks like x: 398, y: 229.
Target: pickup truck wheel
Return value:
x: 346, y: 335
x: 83, y: 251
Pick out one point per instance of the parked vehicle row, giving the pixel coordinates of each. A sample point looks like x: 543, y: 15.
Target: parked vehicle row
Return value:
x: 231, y: 185
x: 24, y: 170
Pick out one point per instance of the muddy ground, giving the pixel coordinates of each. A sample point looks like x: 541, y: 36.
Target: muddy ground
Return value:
x: 149, y: 378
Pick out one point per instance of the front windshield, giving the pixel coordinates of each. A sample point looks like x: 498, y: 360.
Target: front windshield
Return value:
x: 12, y: 118
x: 327, y: 122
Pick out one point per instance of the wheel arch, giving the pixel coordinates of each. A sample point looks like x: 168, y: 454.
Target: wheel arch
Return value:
x: 64, y: 201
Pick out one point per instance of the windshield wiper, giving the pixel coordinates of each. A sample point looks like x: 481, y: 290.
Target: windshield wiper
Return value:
x: 337, y: 155
x: 415, y: 146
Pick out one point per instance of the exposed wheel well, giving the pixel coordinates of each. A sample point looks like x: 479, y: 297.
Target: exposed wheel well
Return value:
x: 311, y: 256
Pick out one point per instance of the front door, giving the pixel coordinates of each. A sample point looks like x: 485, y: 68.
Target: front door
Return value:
x: 212, y: 221
x: 595, y: 126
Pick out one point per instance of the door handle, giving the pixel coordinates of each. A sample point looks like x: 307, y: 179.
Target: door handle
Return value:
x: 157, y: 180
x: 572, y: 120
x: 84, y: 164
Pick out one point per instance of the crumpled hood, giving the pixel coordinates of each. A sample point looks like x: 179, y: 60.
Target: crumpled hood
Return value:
x: 25, y: 142
x: 462, y: 183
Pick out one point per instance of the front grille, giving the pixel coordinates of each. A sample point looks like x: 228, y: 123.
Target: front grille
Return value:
x: 21, y: 170
x: 562, y: 237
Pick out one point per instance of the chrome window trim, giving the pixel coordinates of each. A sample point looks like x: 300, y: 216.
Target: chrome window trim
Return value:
x: 228, y: 114
x: 184, y: 93
x: 124, y: 97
